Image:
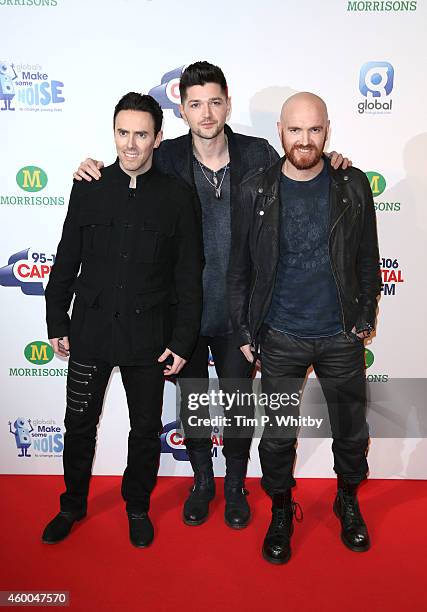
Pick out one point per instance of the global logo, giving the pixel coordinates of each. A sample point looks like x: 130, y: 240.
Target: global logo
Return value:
x: 369, y: 358
x: 31, y: 178
x: 39, y: 352
x: 29, y: 87
x: 376, y: 80
x: 377, y: 183
x: 28, y: 269
x: 167, y: 93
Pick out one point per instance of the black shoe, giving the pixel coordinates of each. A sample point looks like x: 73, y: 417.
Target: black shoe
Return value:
x: 196, y: 507
x: 277, y: 543
x: 141, y: 530
x: 237, y: 511
x: 59, y: 527
x: 354, y: 532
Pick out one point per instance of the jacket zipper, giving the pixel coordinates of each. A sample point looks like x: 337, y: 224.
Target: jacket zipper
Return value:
x: 251, y: 296
x: 333, y: 271
x: 81, y: 382
x: 81, y: 373
x: 82, y: 365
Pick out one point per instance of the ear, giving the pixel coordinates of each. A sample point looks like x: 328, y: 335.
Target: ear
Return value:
x: 279, y: 129
x: 183, y: 115
x: 158, y: 140
x: 229, y: 107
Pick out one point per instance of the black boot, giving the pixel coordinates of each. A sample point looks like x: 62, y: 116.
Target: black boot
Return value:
x: 141, y: 530
x: 237, y: 511
x: 59, y: 527
x: 354, y: 532
x: 196, y: 507
x: 277, y: 542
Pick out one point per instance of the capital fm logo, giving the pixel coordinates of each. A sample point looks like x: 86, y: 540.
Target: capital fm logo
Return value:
x: 28, y: 269
x: 391, y: 275
x: 172, y: 441
x: 167, y: 93
x: 376, y: 82
x: 29, y: 87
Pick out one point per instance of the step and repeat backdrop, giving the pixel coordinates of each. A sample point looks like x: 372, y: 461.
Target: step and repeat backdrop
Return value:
x: 64, y: 64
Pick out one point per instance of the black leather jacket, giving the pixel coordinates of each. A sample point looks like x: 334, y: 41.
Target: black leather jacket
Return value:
x: 353, y: 250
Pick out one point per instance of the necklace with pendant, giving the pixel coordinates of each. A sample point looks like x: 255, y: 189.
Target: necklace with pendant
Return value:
x: 214, y: 181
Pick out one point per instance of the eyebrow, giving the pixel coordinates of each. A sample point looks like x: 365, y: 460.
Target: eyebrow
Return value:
x: 209, y: 100
x: 298, y: 127
x: 136, y: 131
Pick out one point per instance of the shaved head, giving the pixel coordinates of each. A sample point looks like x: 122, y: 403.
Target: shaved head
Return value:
x: 300, y: 102
x: 303, y: 130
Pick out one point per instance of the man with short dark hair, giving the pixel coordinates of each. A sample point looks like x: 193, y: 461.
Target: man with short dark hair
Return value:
x: 214, y: 161
x: 136, y: 241
x: 305, y: 249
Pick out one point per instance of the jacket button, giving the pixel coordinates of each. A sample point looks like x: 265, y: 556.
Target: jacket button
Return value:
x: 345, y: 200
x: 346, y: 177
x: 138, y: 311
x: 117, y: 315
x: 260, y: 169
x: 260, y: 190
x: 261, y: 212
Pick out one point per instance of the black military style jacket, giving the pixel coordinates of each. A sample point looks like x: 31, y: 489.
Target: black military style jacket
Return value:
x: 139, y: 254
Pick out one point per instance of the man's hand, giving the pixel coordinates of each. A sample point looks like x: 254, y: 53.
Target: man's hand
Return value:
x: 61, y: 346
x: 88, y: 169
x: 337, y: 160
x: 362, y: 335
x: 248, y: 352
x: 177, y: 365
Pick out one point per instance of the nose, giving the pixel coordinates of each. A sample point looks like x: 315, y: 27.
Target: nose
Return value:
x: 305, y: 138
x: 131, y: 141
x: 207, y: 111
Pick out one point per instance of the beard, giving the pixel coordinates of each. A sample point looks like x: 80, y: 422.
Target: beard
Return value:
x: 208, y: 135
x: 303, y: 157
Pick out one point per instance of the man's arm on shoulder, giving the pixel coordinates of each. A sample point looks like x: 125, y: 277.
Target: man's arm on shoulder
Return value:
x: 58, y: 292
x: 188, y: 277
x: 368, y: 260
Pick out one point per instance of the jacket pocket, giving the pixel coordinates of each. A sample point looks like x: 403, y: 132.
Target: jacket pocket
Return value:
x: 96, y: 232
x: 154, y: 243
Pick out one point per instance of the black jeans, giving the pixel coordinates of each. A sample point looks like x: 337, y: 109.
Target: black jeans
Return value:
x: 339, y: 364
x: 231, y: 366
x: 86, y: 384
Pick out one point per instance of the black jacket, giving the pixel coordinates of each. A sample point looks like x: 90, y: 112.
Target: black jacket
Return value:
x: 353, y: 250
x: 249, y: 156
x: 140, y: 259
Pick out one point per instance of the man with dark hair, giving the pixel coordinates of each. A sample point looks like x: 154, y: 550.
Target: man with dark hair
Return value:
x: 214, y: 161
x: 135, y: 239
x: 305, y: 248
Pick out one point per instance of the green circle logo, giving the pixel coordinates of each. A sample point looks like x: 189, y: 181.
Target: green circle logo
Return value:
x: 39, y: 352
x: 31, y: 178
x: 377, y: 183
x: 369, y: 358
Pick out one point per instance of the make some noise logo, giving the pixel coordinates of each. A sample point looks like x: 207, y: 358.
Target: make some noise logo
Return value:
x: 38, y: 354
x: 378, y: 185
x: 391, y: 275
x: 28, y: 87
x: 387, y: 6
x: 37, y: 437
x: 31, y: 180
x: 376, y: 81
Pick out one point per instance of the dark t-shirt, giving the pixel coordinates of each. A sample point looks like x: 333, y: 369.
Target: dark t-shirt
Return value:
x: 216, y: 225
x: 305, y: 298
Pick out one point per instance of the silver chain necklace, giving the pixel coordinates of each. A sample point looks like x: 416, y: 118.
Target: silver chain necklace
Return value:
x: 215, y: 180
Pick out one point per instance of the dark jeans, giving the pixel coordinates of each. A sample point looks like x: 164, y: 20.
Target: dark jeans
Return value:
x: 86, y: 384
x: 230, y: 365
x: 339, y: 364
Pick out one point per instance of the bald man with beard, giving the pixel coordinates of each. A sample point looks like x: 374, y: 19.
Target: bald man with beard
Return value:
x: 304, y: 278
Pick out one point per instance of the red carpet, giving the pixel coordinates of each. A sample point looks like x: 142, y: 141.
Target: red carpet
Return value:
x: 212, y: 567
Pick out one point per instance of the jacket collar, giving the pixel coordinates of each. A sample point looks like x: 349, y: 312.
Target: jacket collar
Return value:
x: 124, y: 179
x: 269, y: 184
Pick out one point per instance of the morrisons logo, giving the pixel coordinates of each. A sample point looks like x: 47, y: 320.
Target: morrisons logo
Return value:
x: 39, y: 352
x: 377, y: 183
x: 31, y: 178
x: 382, y: 6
